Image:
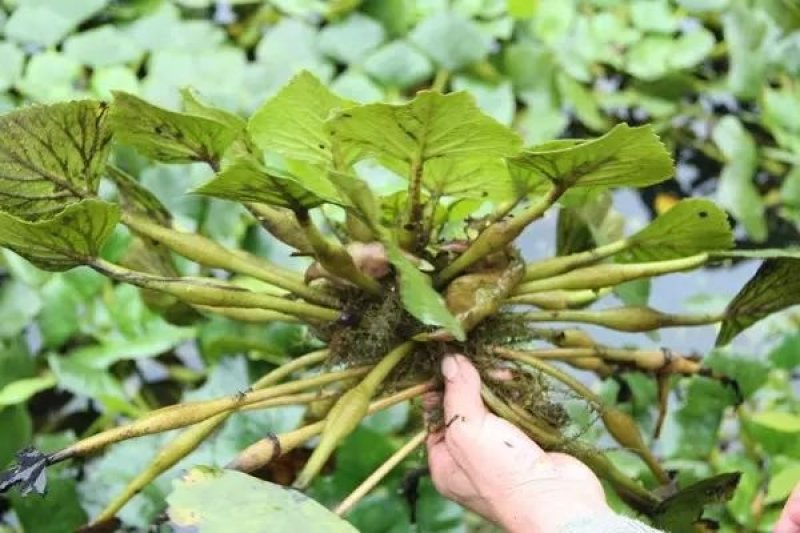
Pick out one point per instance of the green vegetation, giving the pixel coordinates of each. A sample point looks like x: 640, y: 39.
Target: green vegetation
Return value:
x: 399, y: 149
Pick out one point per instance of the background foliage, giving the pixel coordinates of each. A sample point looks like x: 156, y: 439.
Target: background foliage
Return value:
x: 717, y: 78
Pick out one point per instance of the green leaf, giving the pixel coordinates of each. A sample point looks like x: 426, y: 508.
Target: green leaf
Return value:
x: 777, y: 420
x: 469, y: 177
x: 246, y: 180
x: 58, y: 510
x: 398, y: 64
x: 573, y: 234
x: 781, y: 484
x: 634, y: 293
x: 787, y: 354
x: 749, y: 372
x: 102, y: 46
x: 71, y: 238
x: 697, y: 420
x: 737, y: 191
x: 19, y: 304
x: 37, y: 25
x: 11, y: 61
x: 451, y: 40
x: 168, y: 136
x: 749, y: 34
x: 781, y: 114
x: 349, y: 41
x: 17, y: 432
x: 292, y: 123
x: 194, y: 105
x: 419, y: 298
x: 84, y: 381
x: 777, y: 432
x: 133, y: 196
x: 432, y: 126
x: 775, y: 286
x: 205, y: 499
x: 690, y: 227
x: 51, y: 156
x: 61, y: 317
x: 20, y: 391
x: 624, y: 156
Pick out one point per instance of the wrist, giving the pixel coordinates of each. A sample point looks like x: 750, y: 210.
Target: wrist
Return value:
x: 548, y: 512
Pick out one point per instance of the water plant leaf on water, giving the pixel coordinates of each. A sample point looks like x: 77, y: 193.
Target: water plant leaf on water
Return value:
x: 393, y: 286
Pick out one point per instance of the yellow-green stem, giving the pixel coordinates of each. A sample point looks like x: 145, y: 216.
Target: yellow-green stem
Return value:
x: 633, y: 319
x: 214, y: 293
x: 595, y: 277
x: 282, y: 224
x: 244, y: 314
x: 209, y: 253
x: 559, y: 299
x: 558, y: 265
x: 186, y: 414
x: 348, y: 411
x: 262, y: 452
x: 335, y: 258
x: 498, y: 235
x: 619, y: 424
x: 380, y: 473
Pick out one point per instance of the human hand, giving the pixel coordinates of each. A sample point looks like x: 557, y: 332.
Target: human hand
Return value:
x: 490, y: 466
x: 789, y: 522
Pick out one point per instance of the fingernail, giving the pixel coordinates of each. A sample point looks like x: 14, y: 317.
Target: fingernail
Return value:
x: 450, y: 368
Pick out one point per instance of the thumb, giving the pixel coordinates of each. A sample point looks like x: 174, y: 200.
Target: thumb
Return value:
x: 462, y: 391
x: 789, y: 521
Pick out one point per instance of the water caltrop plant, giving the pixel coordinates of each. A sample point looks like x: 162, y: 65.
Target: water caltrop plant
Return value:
x: 396, y: 280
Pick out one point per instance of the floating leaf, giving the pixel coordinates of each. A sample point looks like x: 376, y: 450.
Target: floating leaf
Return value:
x: 351, y: 39
x: 246, y: 180
x: 451, y: 40
x: 292, y: 123
x: 205, y: 499
x: 51, y: 156
x: 737, y: 190
x: 681, y: 511
x: 775, y: 286
x: 19, y: 391
x: 690, y: 227
x: 168, y: 136
x: 69, y: 239
x: 419, y: 298
x: 432, y: 126
x: 28, y: 473
x: 103, y: 46
x: 624, y: 156
x: 398, y: 64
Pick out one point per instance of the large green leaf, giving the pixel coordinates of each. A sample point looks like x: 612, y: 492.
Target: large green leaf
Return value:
x: 205, y: 499
x: 690, y: 227
x: 419, y: 298
x: 470, y: 177
x: 292, y: 123
x: 51, y: 156
x: 430, y: 127
x: 624, y: 156
x: 775, y: 286
x: 737, y: 190
x: 169, y: 136
x: 69, y: 239
x: 246, y: 180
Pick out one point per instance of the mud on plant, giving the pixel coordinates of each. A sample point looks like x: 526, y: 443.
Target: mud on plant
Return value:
x: 397, y: 280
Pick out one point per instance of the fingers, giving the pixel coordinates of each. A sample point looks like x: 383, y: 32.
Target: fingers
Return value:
x: 789, y: 521
x: 462, y: 391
